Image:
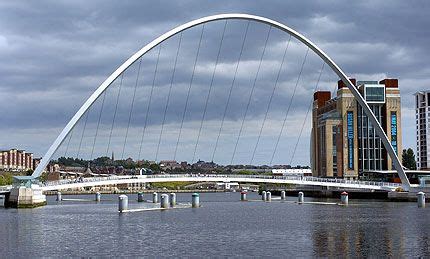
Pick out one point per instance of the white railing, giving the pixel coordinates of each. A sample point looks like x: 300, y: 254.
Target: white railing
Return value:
x: 5, y: 188
x: 299, y: 179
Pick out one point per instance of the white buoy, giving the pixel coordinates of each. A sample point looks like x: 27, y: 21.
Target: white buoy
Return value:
x: 421, y: 199
x: 122, y: 203
x: 59, y: 198
x: 243, y: 196
x: 140, y: 197
x: 263, y: 195
x: 344, y: 198
x: 172, y: 199
x: 98, y: 197
x: 268, y: 196
x: 301, y: 197
x: 283, y: 197
x: 164, y: 201
x: 154, y: 197
x: 195, y: 201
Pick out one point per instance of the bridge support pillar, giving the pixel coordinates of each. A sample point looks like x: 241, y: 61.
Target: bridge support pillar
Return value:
x: 25, y: 197
x: 122, y: 203
x: 59, y: 198
x: 243, y: 196
x: 154, y: 197
x: 172, y: 199
x: 301, y: 198
x: 140, y: 197
x: 421, y: 199
x: 195, y: 201
x: 164, y: 201
x: 344, y: 198
x: 98, y: 197
x: 268, y: 196
x: 283, y: 198
x: 263, y: 195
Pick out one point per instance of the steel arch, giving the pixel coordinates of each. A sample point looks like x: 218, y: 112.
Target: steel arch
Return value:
x: 237, y: 16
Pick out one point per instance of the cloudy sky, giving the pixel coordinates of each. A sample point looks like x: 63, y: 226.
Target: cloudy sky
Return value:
x: 54, y: 54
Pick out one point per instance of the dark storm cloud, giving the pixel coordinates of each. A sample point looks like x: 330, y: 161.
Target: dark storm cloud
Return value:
x: 55, y: 53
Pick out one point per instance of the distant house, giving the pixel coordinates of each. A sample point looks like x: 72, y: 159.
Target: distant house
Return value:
x: 295, y: 172
x: 169, y: 165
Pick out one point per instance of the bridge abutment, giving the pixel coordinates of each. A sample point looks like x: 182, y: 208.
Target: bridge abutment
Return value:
x: 25, y: 197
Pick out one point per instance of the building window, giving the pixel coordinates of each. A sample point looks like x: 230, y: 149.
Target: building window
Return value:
x: 350, y: 135
x: 375, y: 94
x: 334, y: 151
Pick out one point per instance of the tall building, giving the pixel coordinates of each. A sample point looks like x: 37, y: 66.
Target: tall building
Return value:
x: 422, y: 116
x: 344, y: 143
x: 16, y: 160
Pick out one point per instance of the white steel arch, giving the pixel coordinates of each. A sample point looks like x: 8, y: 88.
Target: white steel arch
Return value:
x: 237, y: 16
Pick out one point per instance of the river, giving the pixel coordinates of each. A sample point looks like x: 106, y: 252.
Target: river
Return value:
x: 222, y: 227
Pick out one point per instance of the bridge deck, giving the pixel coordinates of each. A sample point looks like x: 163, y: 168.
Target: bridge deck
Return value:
x: 310, y: 181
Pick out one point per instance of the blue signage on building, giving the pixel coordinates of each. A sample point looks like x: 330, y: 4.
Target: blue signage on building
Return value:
x: 394, y: 130
x: 350, y: 135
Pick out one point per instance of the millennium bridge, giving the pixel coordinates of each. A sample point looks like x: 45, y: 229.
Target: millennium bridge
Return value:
x: 179, y: 112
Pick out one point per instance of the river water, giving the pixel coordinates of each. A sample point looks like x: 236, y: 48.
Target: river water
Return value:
x: 222, y: 227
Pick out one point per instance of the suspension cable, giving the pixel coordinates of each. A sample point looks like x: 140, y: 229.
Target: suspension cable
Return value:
x: 209, y: 92
x: 168, y: 96
x: 149, y: 102
x: 270, y: 100
x: 307, y: 113
x: 188, y: 93
x: 98, y: 124
x: 114, y: 114
x: 250, y: 95
x: 289, y: 106
x: 335, y: 86
x: 131, y: 109
x: 83, y: 132
x: 68, y: 143
x: 231, y: 89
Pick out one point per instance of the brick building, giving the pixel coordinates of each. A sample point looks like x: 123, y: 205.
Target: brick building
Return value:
x: 17, y: 160
x: 344, y: 143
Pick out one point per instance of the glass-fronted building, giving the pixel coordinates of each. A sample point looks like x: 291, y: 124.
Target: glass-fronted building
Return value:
x: 344, y: 142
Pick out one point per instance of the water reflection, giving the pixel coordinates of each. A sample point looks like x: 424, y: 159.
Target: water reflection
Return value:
x: 370, y: 230
x: 222, y: 227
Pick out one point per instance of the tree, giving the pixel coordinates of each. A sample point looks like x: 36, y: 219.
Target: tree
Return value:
x: 408, y: 159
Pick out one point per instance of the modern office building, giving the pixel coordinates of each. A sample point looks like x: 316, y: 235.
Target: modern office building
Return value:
x: 422, y: 116
x: 343, y: 142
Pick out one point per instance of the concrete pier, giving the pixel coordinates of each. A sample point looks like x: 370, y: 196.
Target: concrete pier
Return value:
x: 301, y: 197
x: 164, y: 201
x: 140, y: 197
x: 344, y: 198
x: 268, y: 196
x: 283, y: 197
x: 172, y: 199
x: 263, y: 195
x: 122, y: 203
x: 195, y: 201
x: 154, y: 197
x: 59, y: 198
x: 421, y: 199
x: 25, y: 197
x: 243, y: 196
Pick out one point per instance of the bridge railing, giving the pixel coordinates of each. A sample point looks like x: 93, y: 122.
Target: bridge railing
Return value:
x: 300, y: 179
x: 5, y: 188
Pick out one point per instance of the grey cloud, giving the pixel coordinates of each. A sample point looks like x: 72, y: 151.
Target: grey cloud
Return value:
x: 55, y: 53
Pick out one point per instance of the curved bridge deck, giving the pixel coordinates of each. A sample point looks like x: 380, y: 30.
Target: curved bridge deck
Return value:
x: 296, y: 180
